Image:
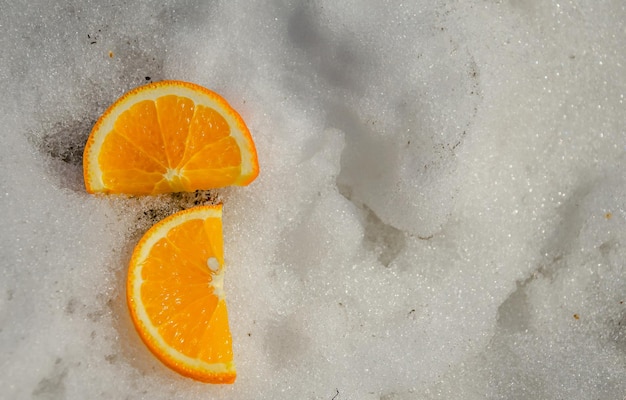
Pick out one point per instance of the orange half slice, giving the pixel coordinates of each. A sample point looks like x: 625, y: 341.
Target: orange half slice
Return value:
x: 175, y: 293
x: 168, y: 136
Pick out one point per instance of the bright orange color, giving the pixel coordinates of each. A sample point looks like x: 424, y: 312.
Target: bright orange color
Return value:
x: 175, y: 294
x: 168, y: 136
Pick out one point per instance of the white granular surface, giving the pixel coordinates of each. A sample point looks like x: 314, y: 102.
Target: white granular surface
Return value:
x: 440, y: 212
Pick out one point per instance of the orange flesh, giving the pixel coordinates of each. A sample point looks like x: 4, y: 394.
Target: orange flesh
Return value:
x: 199, y: 152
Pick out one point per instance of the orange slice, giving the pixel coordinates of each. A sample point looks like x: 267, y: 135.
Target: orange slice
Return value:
x: 176, y: 296
x: 168, y: 136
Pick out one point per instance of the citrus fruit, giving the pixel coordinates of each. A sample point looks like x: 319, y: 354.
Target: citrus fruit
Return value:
x: 168, y: 136
x: 175, y: 294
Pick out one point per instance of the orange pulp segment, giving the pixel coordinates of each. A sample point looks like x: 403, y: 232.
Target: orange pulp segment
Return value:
x: 175, y: 294
x: 168, y: 136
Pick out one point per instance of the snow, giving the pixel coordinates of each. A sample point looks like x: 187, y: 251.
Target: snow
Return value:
x: 440, y: 211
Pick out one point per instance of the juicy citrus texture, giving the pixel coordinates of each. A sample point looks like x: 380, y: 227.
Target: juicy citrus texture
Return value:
x: 176, y: 297
x: 168, y: 136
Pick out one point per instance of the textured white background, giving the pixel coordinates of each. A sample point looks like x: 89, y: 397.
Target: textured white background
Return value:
x: 440, y: 211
